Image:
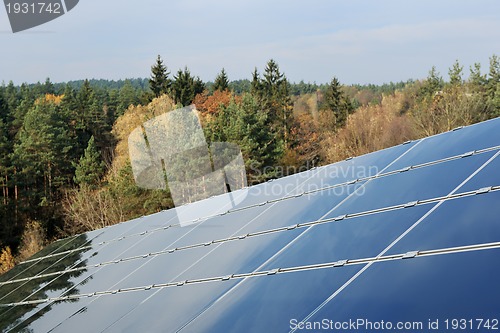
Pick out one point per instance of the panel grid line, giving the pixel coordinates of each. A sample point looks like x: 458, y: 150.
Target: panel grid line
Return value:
x: 274, y: 271
x: 455, y: 196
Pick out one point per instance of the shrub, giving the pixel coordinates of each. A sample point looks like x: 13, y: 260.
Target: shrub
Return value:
x: 32, y: 240
x: 7, y: 261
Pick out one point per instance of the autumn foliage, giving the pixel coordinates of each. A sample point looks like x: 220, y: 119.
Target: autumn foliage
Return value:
x: 7, y: 261
x: 369, y: 129
x: 33, y: 240
x: 50, y: 98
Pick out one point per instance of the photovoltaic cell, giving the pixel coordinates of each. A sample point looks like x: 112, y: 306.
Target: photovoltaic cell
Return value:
x: 475, y: 137
x: 455, y: 286
x: 420, y: 184
x: 265, y: 309
x: 348, y: 239
x: 466, y: 221
x: 489, y: 176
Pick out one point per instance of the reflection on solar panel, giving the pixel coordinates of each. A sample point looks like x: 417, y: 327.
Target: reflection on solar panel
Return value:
x: 404, y: 239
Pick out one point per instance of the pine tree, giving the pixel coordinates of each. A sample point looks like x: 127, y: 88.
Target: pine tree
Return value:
x: 255, y: 88
x: 80, y: 107
x: 7, y: 219
x: 495, y: 103
x: 434, y: 80
x: 126, y: 97
x: 4, y: 161
x: 159, y: 83
x: 84, y: 101
x: 99, y: 127
x: 68, y: 106
x: 221, y: 81
x: 23, y: 101
x: 336, y: 102
x: 273, y: 94
x: 477, y: 79
x: 274, y: 91
x: 493, y: 76
x: 90, y: 168
x: 85, y: 95
x: 273, y: 78
x: 185, y: 87
x: 333, y: 95
x: 4, y: 112
x: 198, y: 87
x: 243, y: 123
x: 432, y: 85
x: 12, y: 97
x: 182, y: 87
x: 48, y: 87
x: 455, y: 74
x: 42, y: 159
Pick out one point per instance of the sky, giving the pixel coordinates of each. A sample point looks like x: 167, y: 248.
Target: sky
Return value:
x: 357, y: 41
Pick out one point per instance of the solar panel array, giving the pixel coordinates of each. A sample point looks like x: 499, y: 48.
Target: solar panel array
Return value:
x: 408, y: 235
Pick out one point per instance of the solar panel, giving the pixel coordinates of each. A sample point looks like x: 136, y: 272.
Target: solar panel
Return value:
x: 408, y: 235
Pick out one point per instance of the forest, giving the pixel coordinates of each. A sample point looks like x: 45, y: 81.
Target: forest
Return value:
x: 64, y: 163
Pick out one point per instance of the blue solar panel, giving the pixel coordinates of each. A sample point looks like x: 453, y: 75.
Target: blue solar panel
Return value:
x: 418, y: 184
x: 462, y: 140
x: 486, y: 177
x: 459, y: 222
x: 438, y: 288
x: 384, y: 236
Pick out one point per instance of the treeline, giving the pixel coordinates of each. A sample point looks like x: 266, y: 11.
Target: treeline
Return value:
x: 64, y: 166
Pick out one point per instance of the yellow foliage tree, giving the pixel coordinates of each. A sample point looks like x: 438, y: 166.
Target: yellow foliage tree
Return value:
x: 134, y: 117
x: 50, y: 98
x: 6, y: 260
x: 369, y: 129
x: 32, y: 240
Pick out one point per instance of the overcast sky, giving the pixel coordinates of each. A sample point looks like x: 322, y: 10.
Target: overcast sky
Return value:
x: 359, y: 41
